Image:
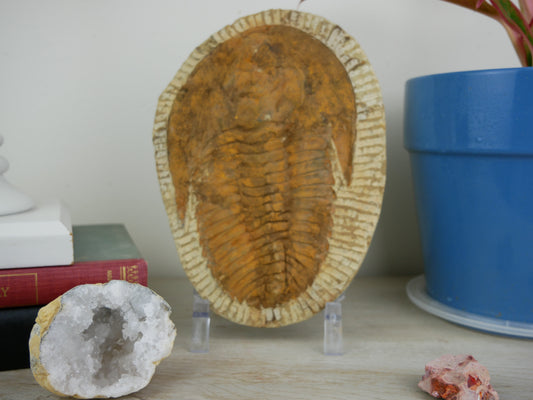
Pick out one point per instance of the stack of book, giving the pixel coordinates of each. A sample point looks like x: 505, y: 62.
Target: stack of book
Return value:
x: 101, y: 253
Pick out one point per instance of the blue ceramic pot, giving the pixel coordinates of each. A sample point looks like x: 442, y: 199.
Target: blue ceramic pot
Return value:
x: 470, y: 139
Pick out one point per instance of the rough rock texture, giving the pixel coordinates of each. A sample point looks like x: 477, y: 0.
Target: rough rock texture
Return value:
x: 101, y: 340
x: 270, y: 150
x: 458, y: 377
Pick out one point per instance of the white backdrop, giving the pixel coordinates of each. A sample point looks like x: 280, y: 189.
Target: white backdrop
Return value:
x: 79, y: 83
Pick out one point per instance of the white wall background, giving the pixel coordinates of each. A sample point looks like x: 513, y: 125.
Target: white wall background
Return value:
x: 79, y: 83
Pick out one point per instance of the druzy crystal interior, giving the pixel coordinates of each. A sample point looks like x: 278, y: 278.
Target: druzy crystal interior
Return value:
x: 103, y: 341
x: 271, y: 159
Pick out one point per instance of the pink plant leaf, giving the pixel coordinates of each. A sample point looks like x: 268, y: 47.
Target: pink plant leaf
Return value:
x: 481, y: 6
x: 523, y: 50
x: 527, y: 9
x: 518, y: 28
x: 513, y: 18
x: 517, y: 22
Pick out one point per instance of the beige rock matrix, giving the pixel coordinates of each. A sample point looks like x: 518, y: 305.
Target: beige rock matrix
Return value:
x: 270, y: 150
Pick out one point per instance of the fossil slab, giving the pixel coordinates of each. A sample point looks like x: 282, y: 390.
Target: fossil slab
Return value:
x: 270, y: 151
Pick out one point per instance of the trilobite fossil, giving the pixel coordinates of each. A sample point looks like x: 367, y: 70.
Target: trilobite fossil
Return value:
x: 270, y: 149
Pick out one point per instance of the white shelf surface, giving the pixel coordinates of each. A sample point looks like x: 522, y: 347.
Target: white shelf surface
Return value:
x: 387, y: 341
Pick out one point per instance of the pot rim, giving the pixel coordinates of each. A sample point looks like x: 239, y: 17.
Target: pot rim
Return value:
x: 474, y: 72
x: 470, y: 112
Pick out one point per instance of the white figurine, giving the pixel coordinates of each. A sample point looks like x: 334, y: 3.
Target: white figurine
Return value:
x: 11, y: 199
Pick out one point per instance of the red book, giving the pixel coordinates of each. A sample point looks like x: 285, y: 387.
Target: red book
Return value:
x: 101, y: 253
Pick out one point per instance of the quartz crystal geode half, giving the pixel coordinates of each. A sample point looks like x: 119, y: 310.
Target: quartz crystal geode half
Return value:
x: 101, y: 340
x: 270, y: 151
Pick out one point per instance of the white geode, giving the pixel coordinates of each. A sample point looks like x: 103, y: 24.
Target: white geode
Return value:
x: 101, y: 340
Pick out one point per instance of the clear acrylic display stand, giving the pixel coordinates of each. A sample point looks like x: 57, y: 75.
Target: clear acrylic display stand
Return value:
x: 333, y: 341
x: 200, y: 325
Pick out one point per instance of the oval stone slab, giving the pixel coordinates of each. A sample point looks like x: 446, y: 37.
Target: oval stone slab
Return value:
x: 270, y: 149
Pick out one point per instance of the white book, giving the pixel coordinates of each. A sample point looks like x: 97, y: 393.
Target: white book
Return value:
x: 38, y: 237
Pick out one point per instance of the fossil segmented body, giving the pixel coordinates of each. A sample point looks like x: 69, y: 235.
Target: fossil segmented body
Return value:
x: 251, y: 131
x: 260, y: 142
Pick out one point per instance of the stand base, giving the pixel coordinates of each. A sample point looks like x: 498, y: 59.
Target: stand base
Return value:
x: 417, y: 293
x: 39, y: 237
x: 333, y: 337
